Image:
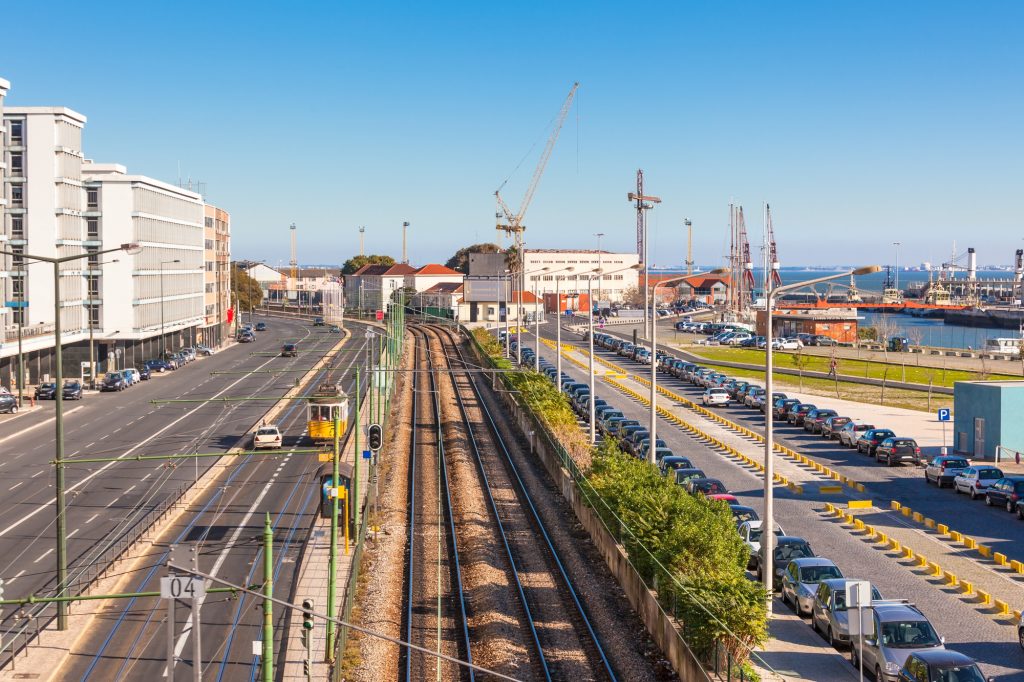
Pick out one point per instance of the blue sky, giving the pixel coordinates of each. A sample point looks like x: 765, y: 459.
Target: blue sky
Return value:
x: 860, y: 123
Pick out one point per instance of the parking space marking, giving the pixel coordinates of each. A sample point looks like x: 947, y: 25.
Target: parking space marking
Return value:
x: 91, y: 518
x: 15, y: 485
x: 43, y: 555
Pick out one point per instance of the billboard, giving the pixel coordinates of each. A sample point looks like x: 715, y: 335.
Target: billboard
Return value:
x: 485, y: 290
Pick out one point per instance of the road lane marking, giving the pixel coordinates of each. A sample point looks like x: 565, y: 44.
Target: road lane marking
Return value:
x: 38, y: 424
x: 18, y: 575
x: 92, y: 518
x: 125, y: 455
x: 38, y: 473
x: 43, y: 555
x: 150, y: 474
x: 73, y: 532
x: 16, y: 485
x: 133, y: 488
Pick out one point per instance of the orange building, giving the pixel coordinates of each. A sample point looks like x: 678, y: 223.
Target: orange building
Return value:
x: 836, y: 323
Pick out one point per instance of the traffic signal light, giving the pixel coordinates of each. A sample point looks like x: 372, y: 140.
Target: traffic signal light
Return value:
x: 375, y: 436
x: 307, y: 614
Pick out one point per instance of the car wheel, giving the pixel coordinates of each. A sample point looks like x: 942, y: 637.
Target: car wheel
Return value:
x: 14, y: 409
x: 1020, y: 512
x: 1009, y: 506
x: 890, y: 462
x: 853, y: 657
x: 974, y: 494
x: 830, y: 638
x: 988, y: 501
x: 1020, y: 637
x: 878, y: 674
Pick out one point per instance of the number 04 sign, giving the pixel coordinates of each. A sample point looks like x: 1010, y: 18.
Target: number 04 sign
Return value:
x: 182, y: 587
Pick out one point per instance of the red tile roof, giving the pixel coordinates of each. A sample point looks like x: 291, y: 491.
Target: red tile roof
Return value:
x: 437, y: 269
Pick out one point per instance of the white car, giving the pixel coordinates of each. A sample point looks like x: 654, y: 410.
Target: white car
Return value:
x: 974, y: 480
x: 787, y: 344
x: 750, y: 534
x: 267, y: 436
x: 715, y: 396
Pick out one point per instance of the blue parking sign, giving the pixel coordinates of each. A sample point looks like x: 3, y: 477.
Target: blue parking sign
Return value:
x: 944, y: 414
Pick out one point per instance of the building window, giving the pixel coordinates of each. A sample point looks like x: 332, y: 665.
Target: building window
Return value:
x: 94, y: 257
x: 17, y: 133
x: 208, y: 222
x: 92, y: 198
x: 17, y: 195
x: 18, y: 287
x: 94, y: 315
x: 17, y: 227
x: 19, y: 316
x: 209, y: 266
x: 209, y: 245
x: 17, y: 165
x: 618, y: 276
x: 94, y: 286
x: 17, y: 260
x: 92, y: 228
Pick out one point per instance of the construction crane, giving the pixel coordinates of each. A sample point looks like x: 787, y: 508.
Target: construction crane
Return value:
x: 513, y: 222
x: 294, y: 262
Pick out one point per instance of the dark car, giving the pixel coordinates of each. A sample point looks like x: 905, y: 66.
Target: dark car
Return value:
x: 72, y: 390
x: 8, y: 403
x: 318, y: 321
x: 782, y: 406
x: 261, y: 326
x: 144, y: 373
x: 892, y: 451
x: 741, y: 513
x: 831, y: 427
x: 706, y: 486
x: 46, y: 391
x: 684, y: 476
x: 113, y: 381
x: 159, y: 366
x: 797, y: 415
x: 871, y: 439
x: 1006, y: 491
x: 940, y: 664
x: 815, y: 418
x: 289, y: 350
x: 670, y: 464
x: 787, y: 548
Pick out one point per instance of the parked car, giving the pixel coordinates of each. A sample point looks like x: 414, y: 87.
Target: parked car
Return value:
x: 203, y: 350
x: 46, y: 391
x: 159, y: 366
x: 871, y: 440
x: 8, y: 403
x: 72, y: 390
x: 131, y: 375
x: 742, y: 513
x: 787, y: 548
x: 829, y: 614
x: 289, y: 350
x: 672, y: 462
x: 787, y: 344
x: 261, y: 326
x: 831, y: 427
x: 851, y: 433
x: 750, y: 533
x: 267, y: 436
x: 113, y: 381
x: 715, y: 396
x: 944, y: 468
x: 816, y: 418
x: 782, y: 406
x: 822, y: 340
x: 684, y: 476
x: 705, y: 486
x: 144, y: 373
x: 892, y: 451
x: 897, y: 632
x: 800, y: 581
x: 974, y: 480
x: 797, y: 415
x: 318, y: 321
x: 940, y: 664
x: 246, y: 337
x: 1006, y: 491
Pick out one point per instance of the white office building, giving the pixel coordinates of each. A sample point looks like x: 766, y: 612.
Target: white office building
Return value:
x: 611, y: 286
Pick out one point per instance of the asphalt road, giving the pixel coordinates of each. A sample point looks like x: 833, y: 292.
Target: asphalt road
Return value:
x: 965, y: 629
x: 106, y: 499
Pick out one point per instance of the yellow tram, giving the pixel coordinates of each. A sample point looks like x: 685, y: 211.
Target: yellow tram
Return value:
x: 327, y: 403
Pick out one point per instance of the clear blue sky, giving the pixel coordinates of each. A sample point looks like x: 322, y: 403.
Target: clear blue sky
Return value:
x: 861, y: 123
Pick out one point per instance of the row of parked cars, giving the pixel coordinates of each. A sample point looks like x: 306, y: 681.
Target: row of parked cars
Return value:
x: 903, y: 645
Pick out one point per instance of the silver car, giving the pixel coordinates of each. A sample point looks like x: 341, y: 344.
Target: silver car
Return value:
x: 973, y: 480
x: 801, y: 578
x: 829, y: 615
x: 892, y: 633
x: 849, y: 434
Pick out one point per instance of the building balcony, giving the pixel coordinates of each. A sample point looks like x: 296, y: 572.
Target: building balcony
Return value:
x: 11, y: 331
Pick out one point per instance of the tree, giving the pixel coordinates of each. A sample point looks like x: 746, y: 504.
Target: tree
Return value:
x: 356, y: 262
x: 460, y: 261
x: 245, y: 290
x: 633, y: 296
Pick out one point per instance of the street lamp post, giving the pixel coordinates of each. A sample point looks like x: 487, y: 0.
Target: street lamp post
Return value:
x: 58, y: 397
x: 653, y: 426
x: 163, y: 339
x: 508, y: 339
x: 536, y: 317
x: 896, y: 284
x: 558, y: 330
x: 519, y: 315
x: 768, y: 536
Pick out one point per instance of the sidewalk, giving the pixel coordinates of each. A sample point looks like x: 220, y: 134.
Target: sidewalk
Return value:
x: 797, y: 652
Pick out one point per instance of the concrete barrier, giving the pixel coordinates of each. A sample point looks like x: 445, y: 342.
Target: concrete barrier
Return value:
x: 934, y: 568
x: 984, y: 551
x: 1002, y: 608
x: 966, y: 587
x: 894, y: 505
x: 929, y: 523
x: 1017, y: 566
x: 984, y: 598
x: 950, y: 578
x: 859, y: 504
x: 919, y: 517
x: 942, y: 529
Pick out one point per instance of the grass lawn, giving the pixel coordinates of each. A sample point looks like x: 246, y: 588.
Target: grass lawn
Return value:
x: 850, y: 367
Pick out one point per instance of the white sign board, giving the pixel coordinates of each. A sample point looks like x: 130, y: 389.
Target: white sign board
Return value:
x: 858, y: 593
x: 182, y: 587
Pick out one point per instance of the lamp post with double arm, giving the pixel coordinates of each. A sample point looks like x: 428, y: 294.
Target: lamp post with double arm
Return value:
x: 58, y: 397
x: 768, y: 535
x: 653, y: 426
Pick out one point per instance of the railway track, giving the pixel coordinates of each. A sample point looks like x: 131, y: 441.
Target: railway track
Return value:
x: 524, y: 617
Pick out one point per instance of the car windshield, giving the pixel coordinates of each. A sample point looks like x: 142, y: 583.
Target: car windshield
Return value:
x: 267, y: 432
x: 742, y: 515
x: 956, y: 673
x: 113, y: 378
x: 793, y: 551
x: 684, y: 475
x: 909, y: 634
x: 711, y: 487
x: 956, y: 463
x: 815, y: 574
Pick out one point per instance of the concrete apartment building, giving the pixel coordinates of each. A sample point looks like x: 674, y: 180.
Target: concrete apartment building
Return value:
x: 114, y: 306
x: 216, y: 276
x: 611, y: 286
